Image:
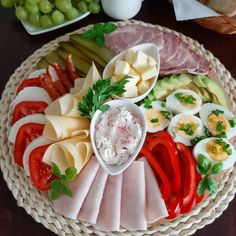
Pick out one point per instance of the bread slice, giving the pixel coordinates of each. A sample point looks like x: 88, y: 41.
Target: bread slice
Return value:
x: 226, y: 7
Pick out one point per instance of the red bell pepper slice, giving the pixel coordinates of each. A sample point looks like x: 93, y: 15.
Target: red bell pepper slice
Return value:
x: 164, y: 185
x: 172, y: 205
x: 23, y: 109
x: 172, y: 152
x: 188, y: 180
x: 29, y: 82
x: 25, y: 135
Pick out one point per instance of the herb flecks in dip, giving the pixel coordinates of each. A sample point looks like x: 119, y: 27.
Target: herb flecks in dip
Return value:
x: 117, y: 135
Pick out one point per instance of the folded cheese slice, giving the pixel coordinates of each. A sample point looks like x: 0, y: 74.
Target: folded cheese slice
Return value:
x: 73, y: 152
x: 61, y: 127
x: 66, y: 105
x: 109, y: 213
x: 133, y: 200
x: 91, y: 78
x: 155, y: 205
x: 80, y: 186
x: 90, y: 208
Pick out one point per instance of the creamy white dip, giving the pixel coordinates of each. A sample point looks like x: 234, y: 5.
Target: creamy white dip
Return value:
x: 117, y: 135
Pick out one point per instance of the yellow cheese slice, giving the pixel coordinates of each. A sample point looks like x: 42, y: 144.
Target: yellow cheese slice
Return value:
x: 67, y: 105
x: 62, y: 127
x: 73, y: 152
x: 92, y: 76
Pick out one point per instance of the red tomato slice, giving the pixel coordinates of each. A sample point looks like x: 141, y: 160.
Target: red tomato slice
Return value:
x: 25, y: 135
x: 29, y: 82
x: 23, y: 109
x: 41, y: 173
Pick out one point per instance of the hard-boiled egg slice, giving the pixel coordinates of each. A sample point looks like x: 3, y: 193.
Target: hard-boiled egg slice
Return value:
x: 215, y: 150
x: 184, y: 101
x: 184, y: 127
x: 218, y: 120
x: 157, y: 116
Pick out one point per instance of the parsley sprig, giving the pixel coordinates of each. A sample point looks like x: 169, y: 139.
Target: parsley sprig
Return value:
x: 207, y: 170
x: 98, y: 32
x: 98, y: 95
x: 60, y: 184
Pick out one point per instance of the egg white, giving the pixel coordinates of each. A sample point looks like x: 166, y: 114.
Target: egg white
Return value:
x: 200, y: 148
x: 177, y: 107
x: 207, y: 109
x: 158, y: 106
x: 178, y: 138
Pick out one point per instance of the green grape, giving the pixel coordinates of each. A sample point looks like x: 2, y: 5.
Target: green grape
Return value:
x: 96, y: 1
x: 34, y: 18
x: 45, y: 21
x: 94, y: 7
x: 31, y: 8
x: 21, y: 13
x: 45, y: 6
x: 72, y: 13
x: 33, y: 2
x: 8, y: 3
x: 58, y: 17
x: 88, y: 1
x: 82, y: 6
x: 63, y: 5
x: 21, y: 2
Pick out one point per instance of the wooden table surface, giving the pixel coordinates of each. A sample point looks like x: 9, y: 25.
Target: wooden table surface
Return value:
x: 16, y: 45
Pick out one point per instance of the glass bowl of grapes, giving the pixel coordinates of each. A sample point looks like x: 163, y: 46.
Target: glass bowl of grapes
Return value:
x: 41, y: 16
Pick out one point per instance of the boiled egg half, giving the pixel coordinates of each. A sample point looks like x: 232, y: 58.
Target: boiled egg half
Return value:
x: 157, y: 116
x: 216, y: 149
x: 184, y: 127
x: 184, y: 101
x: 218, y: 120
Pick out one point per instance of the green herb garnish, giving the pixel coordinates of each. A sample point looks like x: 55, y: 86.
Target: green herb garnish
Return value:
x: 220, y: 126
x: 60, y: 184
x: 206, y: 169
x: 199, y: 138
x: 221, y: 135
x: 167, y: 114
x: 98, y: 31
x: 188, y: 128
x: 188, y: 99
x: 224, y: 145
x: 163, y: 104
x: 154, y: 120
x: 98, y: 95
x: 217, y: 112
x: 232, y: 122
x: 147, y: 103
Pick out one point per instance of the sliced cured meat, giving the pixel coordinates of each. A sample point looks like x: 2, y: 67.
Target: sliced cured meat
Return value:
x: 133, y: 200
x: 155, y: 205
x: 70, y: 207
x: 90, y: 208
x: 170, y: 47
x: 109, y: 213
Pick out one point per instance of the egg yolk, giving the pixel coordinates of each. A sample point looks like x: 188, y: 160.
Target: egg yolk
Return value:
x: 155, y: 118
x: 187, y: 127
x: 217, y: 123
x: 216, y: 151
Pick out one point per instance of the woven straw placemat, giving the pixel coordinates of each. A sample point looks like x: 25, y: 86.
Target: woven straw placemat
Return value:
x: 40, y: 208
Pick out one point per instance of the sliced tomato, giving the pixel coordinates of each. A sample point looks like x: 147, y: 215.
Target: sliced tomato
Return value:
x: 70, y: 69
x: 188, y: 178
x: 25, y: 135
x: 23, y: 109
x: 29, y: 82
x: 41, y: 173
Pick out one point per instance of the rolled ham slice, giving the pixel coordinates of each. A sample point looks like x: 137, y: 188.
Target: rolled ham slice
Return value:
x: 90, y: 208
x: 155, y: 205
x: 133, y: 201
x: 70, y: 207
x: 109, y: 213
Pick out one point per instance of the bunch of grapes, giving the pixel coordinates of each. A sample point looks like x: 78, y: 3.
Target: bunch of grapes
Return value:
x: 47, y: 13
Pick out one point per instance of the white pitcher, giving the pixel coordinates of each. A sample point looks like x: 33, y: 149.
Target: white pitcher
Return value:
x: 121, y: 9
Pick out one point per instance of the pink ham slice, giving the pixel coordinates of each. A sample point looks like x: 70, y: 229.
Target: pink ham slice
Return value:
x: 70, y: 207
x: 155, y: 205
x: 90, y: 208
x: 133, y: 201
x: 109, y: 213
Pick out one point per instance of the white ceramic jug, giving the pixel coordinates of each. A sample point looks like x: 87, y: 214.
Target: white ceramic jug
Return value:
x: 121, y: 9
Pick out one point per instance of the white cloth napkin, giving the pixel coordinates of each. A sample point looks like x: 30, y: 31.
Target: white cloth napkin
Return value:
x: 191, y: 9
